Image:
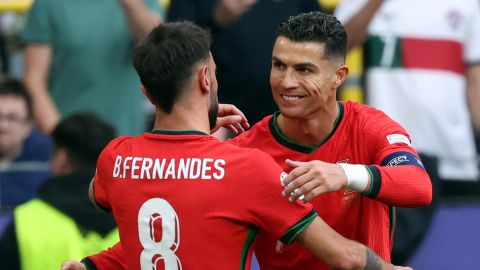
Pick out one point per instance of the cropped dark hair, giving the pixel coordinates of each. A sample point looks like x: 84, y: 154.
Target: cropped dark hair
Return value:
x: 13, y: 87
x: 83, y: 136
x: 165, y: 60
x: 317, y: 27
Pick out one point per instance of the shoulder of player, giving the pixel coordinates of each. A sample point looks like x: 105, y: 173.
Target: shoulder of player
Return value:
x: 366, y: 115
x: 257, y: 131
x: 117, y: 145
x: 252, y: 154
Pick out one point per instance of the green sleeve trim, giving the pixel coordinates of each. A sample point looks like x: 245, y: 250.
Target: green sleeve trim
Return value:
x: 376, y: 182
x: 252, y: 233
x: 298, y: 228
x: 88, y: 264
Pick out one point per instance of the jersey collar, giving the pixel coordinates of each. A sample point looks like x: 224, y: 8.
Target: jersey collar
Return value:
x: 177, y: 132
x: 283, y: 140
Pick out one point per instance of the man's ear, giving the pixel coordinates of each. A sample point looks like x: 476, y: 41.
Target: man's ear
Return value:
x: 340, y: 75
x: 204, y: 79
x: 145, y: 93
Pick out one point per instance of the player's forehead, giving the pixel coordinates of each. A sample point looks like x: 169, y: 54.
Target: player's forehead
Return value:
x: 294, y: 52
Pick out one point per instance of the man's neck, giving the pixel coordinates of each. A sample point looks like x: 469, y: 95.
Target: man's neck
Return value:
x: 309, y: 131
x: 182, y: 119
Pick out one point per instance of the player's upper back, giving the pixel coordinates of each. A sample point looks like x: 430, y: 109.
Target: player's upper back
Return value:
x: 170, y: 184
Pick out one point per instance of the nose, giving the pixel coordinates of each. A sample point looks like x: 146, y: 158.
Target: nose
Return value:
x: 289, y: 80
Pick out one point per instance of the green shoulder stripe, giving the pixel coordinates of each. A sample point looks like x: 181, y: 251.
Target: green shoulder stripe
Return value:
x: 298, y: 228
x: 252, y: 233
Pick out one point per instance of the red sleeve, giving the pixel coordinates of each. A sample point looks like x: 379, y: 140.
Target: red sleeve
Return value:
x: 262, y: 197
x: 112, y: 258
x: 106, y: 164
x: 99, y: 180
x: 403, y: 185
x: 398, y: 176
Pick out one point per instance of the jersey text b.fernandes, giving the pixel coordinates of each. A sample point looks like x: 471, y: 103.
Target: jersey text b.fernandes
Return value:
x: 144, y: 168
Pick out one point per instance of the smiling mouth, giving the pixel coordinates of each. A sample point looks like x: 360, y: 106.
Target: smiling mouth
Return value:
x: 291, y: 98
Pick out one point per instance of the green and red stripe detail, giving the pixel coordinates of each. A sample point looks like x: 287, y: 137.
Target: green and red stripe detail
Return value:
x: 416, y: 53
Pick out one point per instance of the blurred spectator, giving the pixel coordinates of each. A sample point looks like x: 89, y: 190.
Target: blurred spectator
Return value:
x: 422, y: 67
x: 243, y: 36
x: 24, y: 153
x: 11, y: 52
x: 77, y: 58
x: 62, y: 223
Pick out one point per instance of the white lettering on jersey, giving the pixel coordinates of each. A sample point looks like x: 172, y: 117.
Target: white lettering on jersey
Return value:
x: 144, y: 168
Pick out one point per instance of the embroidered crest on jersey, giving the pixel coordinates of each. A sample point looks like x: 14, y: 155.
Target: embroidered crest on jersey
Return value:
x: 398, y: 138
x: 454, y: 18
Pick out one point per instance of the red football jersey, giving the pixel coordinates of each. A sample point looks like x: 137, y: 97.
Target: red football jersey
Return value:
x: 361, y: 135
x: 186, y: 200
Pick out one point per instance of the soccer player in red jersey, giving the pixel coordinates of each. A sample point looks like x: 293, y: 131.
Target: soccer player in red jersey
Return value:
x: 184, y: 200
x: 356, y: 157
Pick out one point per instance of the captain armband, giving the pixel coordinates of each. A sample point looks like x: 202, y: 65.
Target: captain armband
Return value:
x: 357, y: 176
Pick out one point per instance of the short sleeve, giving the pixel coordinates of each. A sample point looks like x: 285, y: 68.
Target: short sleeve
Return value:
x: 472, y: 38
x: 99, y: 182
x: 268, y: 208
x: 38, y: 27
x: 107, y: 166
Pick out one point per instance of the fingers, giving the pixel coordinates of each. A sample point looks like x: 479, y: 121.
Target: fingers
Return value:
x: 305, y: 188
x: 232, y: 118
x: 229, y: 109
x: 310, y: 179
x: 293, y: 163
x: 297, y: 172
x: 296, y: 185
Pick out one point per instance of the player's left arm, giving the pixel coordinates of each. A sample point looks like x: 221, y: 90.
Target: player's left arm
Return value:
x: 395, y: 176
x: 406, y: 185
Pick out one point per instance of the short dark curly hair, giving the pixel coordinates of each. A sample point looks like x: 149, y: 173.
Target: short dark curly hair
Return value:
x: 165, y: 60
x: 317, y: 27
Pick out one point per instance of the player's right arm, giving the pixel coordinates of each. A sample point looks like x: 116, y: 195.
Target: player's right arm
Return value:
x: 339, y: 252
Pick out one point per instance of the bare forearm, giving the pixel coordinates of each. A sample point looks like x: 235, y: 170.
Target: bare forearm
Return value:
x: 338, y: 252
x: 37, y: 67
x: 473, y: 94
x: 45, y: 112
x: 140, y: 19
x: 357, y: 26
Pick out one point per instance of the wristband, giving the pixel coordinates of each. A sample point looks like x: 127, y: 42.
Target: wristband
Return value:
x: 357, y: 176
